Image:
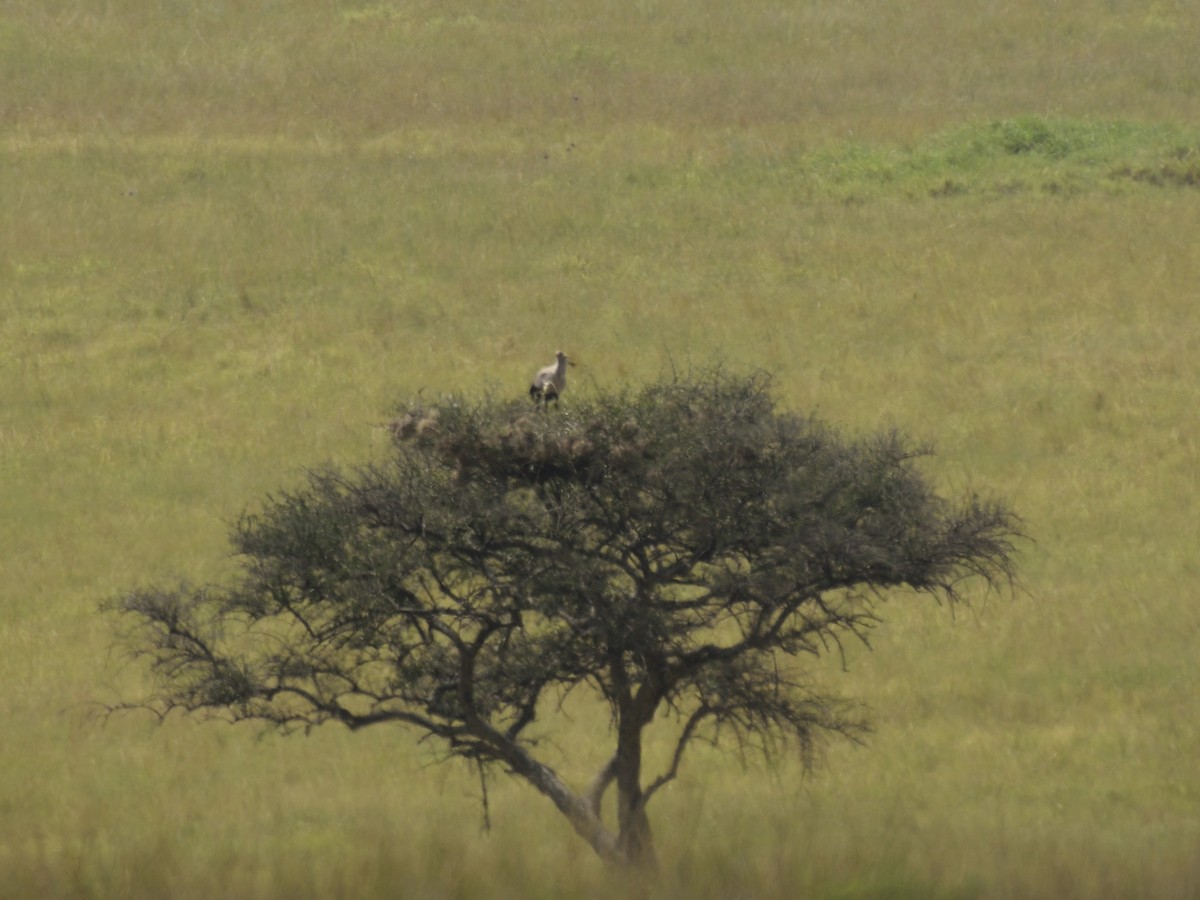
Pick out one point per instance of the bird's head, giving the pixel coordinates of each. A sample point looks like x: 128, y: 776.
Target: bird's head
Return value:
x: 562, y: 357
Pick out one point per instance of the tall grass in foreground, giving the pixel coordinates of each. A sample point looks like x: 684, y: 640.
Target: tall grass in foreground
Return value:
x: 232, y: 237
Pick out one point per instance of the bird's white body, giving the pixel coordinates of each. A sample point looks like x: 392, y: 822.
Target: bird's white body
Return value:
x: 551, y: 381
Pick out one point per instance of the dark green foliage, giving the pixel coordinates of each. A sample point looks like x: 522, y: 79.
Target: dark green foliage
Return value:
x: 668, y: 548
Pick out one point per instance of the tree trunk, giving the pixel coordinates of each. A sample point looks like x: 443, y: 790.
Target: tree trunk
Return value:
x: 633, y: 842
x: 580, y: 811
x: 634, y: 839
x: 632, y: 846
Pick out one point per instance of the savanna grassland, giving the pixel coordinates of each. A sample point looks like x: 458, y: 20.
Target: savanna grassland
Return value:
x: 233, y: 235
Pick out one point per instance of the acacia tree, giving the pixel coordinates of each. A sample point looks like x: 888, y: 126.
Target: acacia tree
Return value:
x: 677, y: 550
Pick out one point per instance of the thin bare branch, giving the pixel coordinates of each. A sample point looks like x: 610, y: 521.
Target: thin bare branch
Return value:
x: 699, y: 714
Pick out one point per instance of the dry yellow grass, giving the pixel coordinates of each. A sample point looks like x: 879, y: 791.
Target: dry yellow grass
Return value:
x: 233, y: 236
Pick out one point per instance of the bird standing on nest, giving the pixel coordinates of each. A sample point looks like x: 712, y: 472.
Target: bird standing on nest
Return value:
x: 551, y: 381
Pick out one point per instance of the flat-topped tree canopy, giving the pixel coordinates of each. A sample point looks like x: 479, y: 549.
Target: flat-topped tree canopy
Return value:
x: 665, y: 546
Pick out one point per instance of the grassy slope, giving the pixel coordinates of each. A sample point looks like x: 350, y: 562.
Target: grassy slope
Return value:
x: 232, y: 238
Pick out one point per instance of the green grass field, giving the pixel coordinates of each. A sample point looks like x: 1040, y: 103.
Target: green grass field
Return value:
x: 233, y: 235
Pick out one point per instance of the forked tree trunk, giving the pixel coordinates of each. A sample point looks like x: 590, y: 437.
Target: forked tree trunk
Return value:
x: 632, y: 845
x: 582, y: 812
